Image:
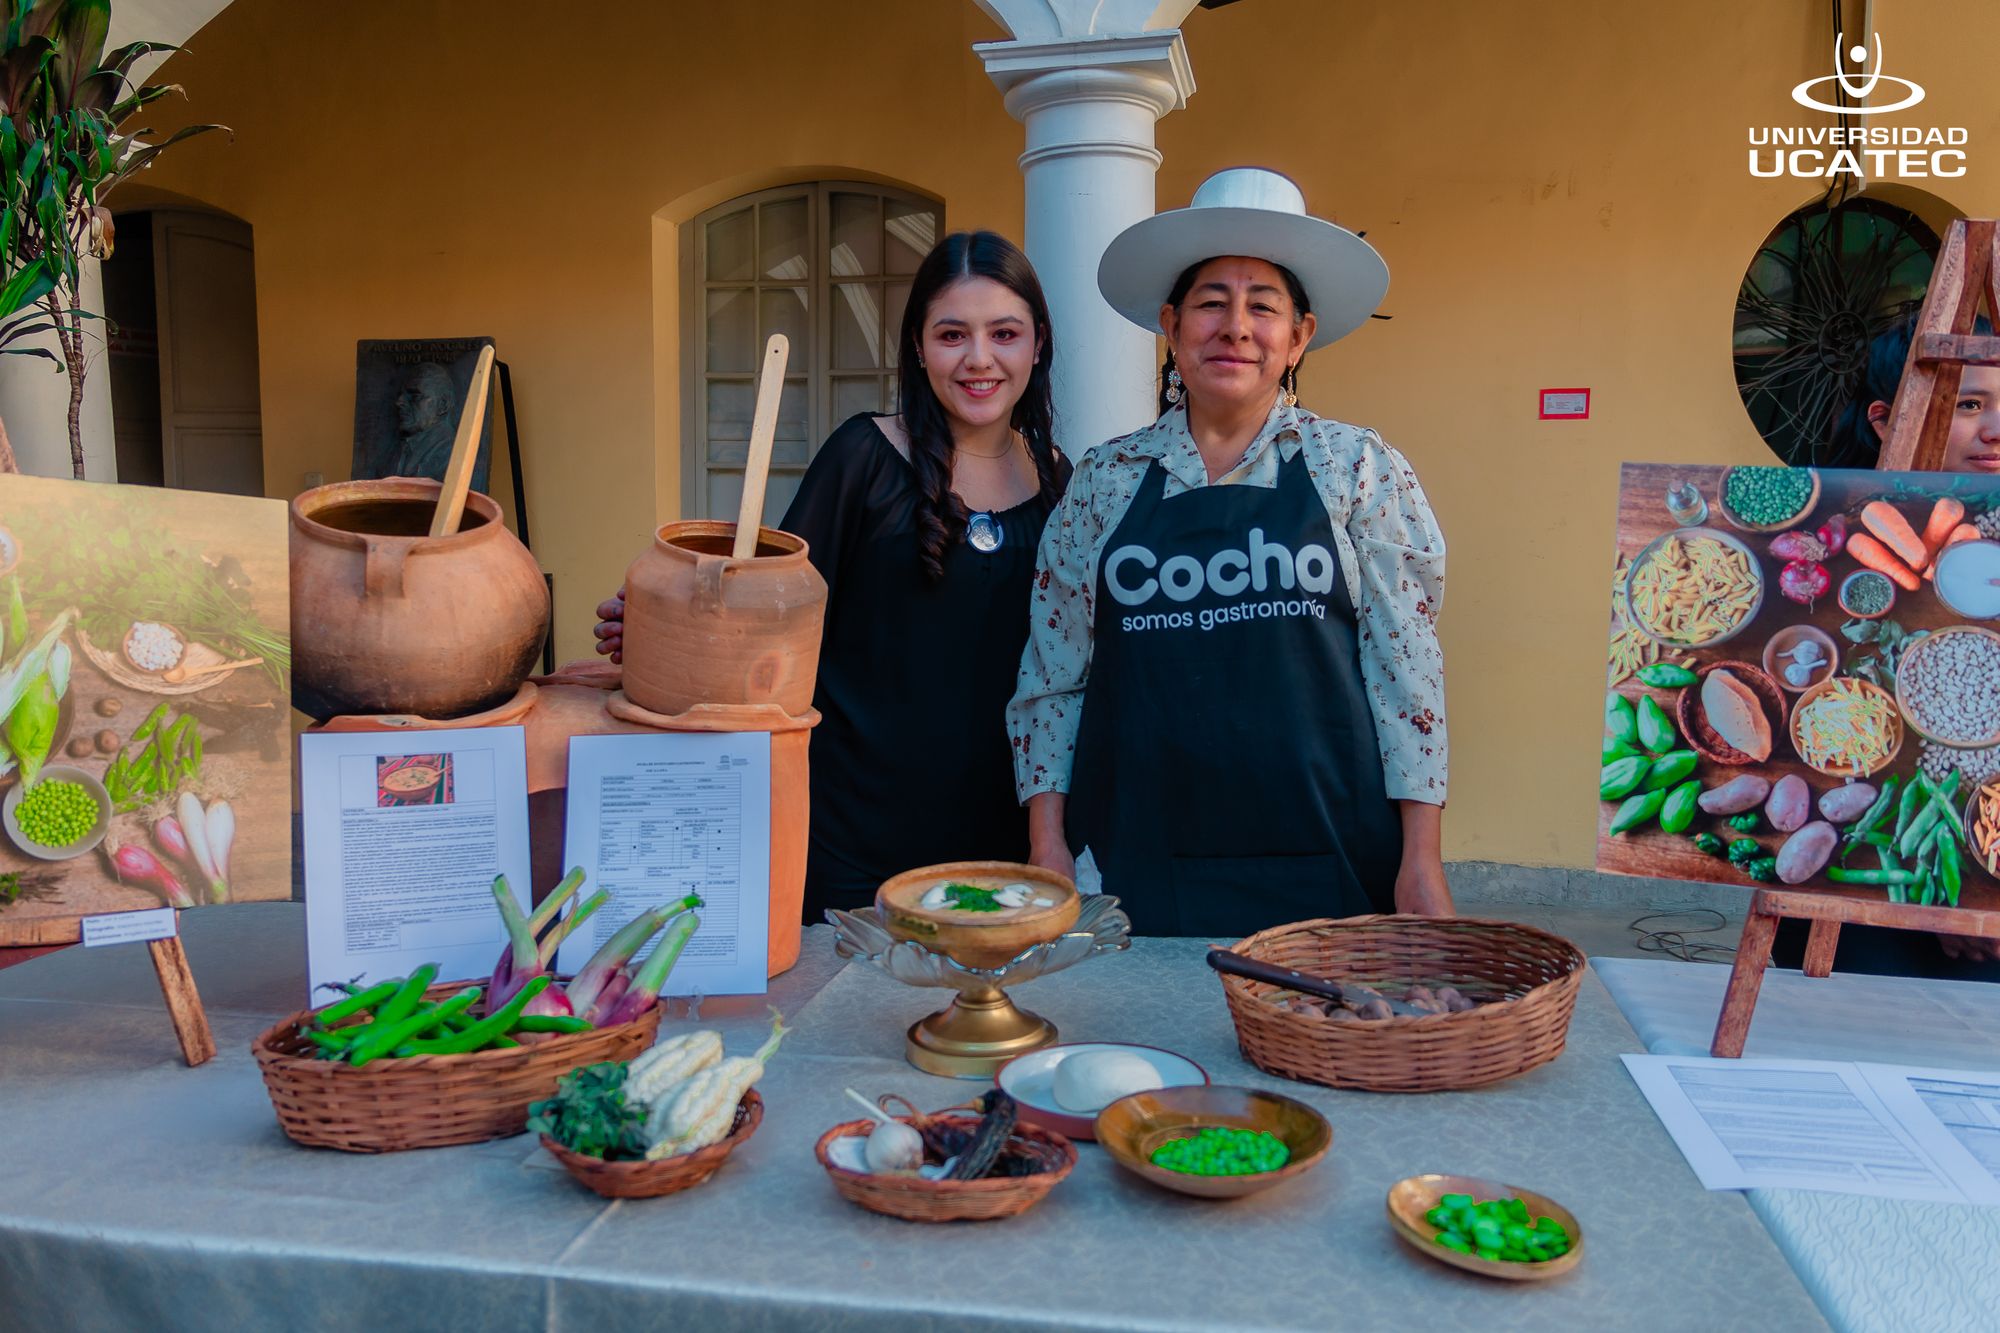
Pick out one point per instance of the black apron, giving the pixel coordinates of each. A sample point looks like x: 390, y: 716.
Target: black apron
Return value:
x: 1227, y: 775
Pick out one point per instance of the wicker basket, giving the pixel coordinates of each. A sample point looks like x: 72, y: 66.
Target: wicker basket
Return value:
x: 667, y: 1175
x: 915, y: 1199
x: 425, y: 1101
x: 1529, y: 976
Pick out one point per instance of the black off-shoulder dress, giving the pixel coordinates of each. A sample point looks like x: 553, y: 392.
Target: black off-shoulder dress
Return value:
x: 910, y: 763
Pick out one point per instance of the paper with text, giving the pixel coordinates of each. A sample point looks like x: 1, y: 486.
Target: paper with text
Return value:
x: 1888, y: 1131
x: 403, y: 836
x: 653, y: 818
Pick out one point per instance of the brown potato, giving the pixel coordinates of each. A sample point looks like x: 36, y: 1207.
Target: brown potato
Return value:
x: 107, y: 741
x: 110, y: 706
x: 79, y: 747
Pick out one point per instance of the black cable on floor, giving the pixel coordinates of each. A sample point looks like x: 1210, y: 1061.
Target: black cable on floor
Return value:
x: 1675, y: 942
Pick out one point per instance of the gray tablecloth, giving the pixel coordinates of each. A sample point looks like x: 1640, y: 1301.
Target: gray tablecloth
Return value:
x: 1874, y: 1265
x: 144, y: 1194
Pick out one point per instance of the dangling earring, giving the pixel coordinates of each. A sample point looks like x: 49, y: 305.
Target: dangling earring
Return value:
x: 1173, y: 384
x: 1292, y: 385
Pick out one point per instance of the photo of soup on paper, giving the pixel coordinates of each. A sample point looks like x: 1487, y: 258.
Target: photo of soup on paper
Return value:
x: 1802, y: 685
x: 413, y: 779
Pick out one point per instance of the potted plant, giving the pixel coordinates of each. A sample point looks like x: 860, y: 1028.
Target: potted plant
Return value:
x: 63, y: 103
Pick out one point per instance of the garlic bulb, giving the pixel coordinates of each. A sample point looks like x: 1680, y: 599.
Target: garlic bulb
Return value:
x: 894, y: 1146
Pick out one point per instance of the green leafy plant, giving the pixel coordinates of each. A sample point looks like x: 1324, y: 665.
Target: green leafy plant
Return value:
x: 63, y: 103
x: 1879, y: 646
x: 590, y: 1115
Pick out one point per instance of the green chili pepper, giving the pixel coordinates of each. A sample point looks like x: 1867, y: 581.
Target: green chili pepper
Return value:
x: 1743, y: 823
x: 1709, y: 844
x: 1621, y: 777
x: 1883, y: 800
x: 1841, y: 875
x: 1764, y: 869
x: 1906, y: 810
x: 356, y: 1002
x: 1666, y: 676
x: 1919, y: 830
x: 331, y: 1046
x: 552, y: 1023
x: 1743, y: 850
x: 1950, y: 875
x: 1670, y: 770
x: 493, y: 1027
x: 1615, y: 749
x: 1637, y: 810
x: 411, y: 993
x: 1656, y: 730
x: 151, y: 724
x: 1679, y: 810
x: 1620, y: 720
x: 384, y: 1037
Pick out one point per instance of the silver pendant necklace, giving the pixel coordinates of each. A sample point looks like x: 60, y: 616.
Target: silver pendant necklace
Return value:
x: 983, y: 533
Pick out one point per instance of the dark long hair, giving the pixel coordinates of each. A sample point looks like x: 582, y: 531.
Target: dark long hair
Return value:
x: 1301, y: 307
x: 941, y: 515
x: 1854, y: 434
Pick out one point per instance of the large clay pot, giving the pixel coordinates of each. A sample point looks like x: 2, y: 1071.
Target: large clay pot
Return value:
x: 702, y: 628
x: 387, y: 619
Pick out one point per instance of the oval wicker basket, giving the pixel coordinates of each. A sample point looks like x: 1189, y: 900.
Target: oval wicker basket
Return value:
x: 667, y: 1175
x: 915, y: 1199
x: 425, y: 1101
x: 1529, y: 976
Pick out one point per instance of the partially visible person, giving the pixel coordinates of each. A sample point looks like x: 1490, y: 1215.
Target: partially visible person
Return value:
x: 924, y: 525
x: 1974, y: 442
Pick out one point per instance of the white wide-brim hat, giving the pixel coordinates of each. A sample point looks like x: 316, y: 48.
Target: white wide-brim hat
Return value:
x: 1253, y: 212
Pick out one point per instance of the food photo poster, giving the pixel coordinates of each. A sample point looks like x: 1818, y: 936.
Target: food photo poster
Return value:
x: 145, y: 685
x: 1800, y: 681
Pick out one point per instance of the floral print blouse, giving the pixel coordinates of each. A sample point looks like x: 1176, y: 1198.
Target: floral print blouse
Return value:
x: 1391, y: 552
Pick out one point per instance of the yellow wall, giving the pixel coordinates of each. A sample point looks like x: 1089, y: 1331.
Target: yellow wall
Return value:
x: 1560, y: 190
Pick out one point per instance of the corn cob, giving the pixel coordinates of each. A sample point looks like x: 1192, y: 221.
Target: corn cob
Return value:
x: 656, y: 1074
x: 702, y: 1110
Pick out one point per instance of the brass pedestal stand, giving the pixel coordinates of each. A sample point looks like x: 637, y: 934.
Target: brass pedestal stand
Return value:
x: 982, y: 1028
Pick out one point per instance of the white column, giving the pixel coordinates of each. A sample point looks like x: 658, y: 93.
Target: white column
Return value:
x: 1089, y: 100
x: 34, y: 400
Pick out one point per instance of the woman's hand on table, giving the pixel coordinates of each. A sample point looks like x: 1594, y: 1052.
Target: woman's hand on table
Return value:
x: 611, y: 627
x: 1421, y: 889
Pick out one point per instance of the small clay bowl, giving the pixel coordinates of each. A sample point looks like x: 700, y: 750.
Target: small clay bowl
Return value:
x: 1410, y: 1199
x: 976, y: 939
x: 64, y: 773
x: 1704, y: 739
x: 1812, y: 696
x: 1132, y: 1129
x: 1789, y: 638
x: 1916, y: 650
x: 1686, y: 535
x: 1741, y: 524
x: 1856, y: 577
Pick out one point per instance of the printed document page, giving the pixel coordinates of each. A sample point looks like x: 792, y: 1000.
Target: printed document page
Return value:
x: 653, y: 818
x: 403, y: 836
x: 1825, y: 1125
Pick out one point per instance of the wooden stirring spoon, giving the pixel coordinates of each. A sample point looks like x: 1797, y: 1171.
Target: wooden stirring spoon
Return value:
x: 174, y: 675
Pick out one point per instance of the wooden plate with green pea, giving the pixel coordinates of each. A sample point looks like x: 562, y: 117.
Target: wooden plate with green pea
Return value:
x: 1412, y: 1201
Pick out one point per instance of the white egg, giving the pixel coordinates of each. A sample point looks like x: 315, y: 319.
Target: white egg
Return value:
x: 1089, y: 1081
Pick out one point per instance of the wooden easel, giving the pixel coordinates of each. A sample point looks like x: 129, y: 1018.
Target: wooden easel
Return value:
x: 1943, y: 344
x: 190, y: 1020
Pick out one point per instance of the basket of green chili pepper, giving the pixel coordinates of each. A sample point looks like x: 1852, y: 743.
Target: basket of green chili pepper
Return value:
x: 408, y: 1064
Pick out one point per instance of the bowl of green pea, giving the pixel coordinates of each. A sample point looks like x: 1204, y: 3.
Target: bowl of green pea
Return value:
x: 64, y: 815
x: 1214, y: 1142
x: 1486, y: 1227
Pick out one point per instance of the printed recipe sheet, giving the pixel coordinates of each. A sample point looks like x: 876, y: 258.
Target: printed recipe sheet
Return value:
x: 653, y: 818
x: 404, y: 835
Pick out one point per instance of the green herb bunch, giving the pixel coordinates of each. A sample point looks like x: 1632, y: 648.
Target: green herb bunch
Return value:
x: 121, y: 575
x: 590, y: 1115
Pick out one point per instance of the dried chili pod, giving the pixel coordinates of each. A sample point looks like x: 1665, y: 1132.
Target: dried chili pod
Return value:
x: 989, y: 1139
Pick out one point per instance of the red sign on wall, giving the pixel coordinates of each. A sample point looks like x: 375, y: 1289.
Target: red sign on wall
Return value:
x: 1565, y: 404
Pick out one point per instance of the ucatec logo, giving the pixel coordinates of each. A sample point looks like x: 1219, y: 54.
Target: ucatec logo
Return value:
x: 1879, y: 151
x: 1859, y: 86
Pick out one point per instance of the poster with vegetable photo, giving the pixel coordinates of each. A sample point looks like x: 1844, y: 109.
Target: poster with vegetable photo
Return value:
x: 145, y: 684
x: 1804, y: 681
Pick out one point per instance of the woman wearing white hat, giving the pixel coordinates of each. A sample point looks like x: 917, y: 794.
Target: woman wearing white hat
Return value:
x: 1231, y: 704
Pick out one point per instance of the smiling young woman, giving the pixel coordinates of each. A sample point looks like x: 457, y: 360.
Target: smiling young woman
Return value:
x: 924, y: 525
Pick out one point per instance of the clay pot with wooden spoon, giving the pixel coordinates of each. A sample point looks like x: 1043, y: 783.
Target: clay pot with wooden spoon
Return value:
x: 174, y: 675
